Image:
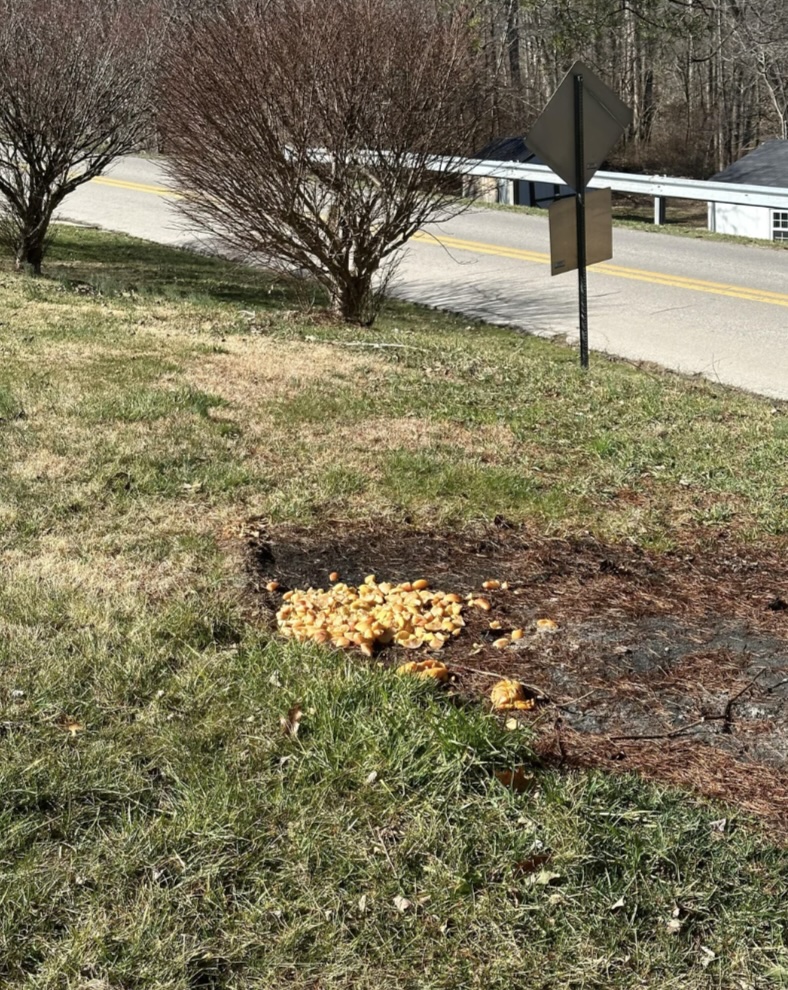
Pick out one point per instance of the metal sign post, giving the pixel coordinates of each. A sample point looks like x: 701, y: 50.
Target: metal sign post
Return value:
x: 580, y: 202
x: 575, y: 153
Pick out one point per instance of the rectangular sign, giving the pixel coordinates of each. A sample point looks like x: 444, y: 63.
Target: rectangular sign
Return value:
x: 563, y: 231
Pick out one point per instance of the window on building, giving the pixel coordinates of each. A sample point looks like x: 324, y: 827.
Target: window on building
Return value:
x: 780, y: 225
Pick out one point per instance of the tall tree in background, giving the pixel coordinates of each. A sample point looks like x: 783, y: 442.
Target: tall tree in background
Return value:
x: 706, y: 79
x: 304, y: 131
x: 75, y: 86
x: 760, y: 39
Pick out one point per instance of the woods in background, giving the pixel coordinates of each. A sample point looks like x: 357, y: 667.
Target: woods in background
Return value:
x: 707, y: 79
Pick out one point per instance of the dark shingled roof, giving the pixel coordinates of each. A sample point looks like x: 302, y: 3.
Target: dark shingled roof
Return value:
x: 766, y: 166
x: 511, y: 149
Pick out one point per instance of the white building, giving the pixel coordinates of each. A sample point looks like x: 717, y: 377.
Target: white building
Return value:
x: 766, y: 166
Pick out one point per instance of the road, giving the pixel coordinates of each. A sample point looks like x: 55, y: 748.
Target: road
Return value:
x: 700, y: 307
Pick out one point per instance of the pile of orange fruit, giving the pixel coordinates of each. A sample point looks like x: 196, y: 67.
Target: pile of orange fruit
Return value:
x: 410, y: 615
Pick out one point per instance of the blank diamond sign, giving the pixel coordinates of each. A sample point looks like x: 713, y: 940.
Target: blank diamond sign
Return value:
x: 605, y: 118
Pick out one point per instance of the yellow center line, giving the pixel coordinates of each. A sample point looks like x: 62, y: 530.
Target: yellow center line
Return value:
x: 478, y: 247
x: 618, y: 271
x: 697, y: 285
x: 536, y: 257
x: 105, y: 180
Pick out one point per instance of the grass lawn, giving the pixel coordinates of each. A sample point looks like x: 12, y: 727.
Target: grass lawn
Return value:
x: 158, y: 829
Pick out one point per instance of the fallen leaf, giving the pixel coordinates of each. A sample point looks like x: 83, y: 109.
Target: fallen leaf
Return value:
x: 673, y: 926
x: 512, y: 724
x: 517, y: 779
x: 73, y: 728
x: 371, y: 778
x: 532, y: 864
x: 291, y: 722
x: 619, y: 904
x: 402, y: 903
x: 708, y: 956
x: 362, y: 904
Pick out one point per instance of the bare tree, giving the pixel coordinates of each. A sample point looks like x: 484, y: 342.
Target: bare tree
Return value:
x: 760, y: 35
x: 75, y: 85
x: 305, y: 130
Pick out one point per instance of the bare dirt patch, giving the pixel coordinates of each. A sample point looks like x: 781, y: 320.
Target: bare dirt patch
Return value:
x: 672, y: 665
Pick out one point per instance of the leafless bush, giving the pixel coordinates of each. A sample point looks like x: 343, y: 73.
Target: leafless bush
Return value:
x: 75, y: 84
x: 304, y: 129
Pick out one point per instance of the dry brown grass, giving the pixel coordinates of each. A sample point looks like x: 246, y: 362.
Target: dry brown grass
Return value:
x: 254, y: 370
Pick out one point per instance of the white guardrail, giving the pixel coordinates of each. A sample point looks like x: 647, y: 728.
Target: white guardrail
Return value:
x: 660, y: 187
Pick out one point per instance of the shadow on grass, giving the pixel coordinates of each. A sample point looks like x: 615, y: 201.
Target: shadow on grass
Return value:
x: 118, y: 265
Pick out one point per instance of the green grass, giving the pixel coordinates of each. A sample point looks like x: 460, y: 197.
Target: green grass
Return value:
x: 182, y: 840
x: 157, y: 827
x: 516, y: 428
x: 9, y: 407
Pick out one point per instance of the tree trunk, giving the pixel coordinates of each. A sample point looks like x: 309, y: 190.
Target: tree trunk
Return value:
x: 33, y: 224
x: 354, y: 300
x: 30, y: 252
x: 513, y: 47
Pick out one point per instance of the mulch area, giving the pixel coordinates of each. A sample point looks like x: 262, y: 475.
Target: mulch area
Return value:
x: 672, y: 665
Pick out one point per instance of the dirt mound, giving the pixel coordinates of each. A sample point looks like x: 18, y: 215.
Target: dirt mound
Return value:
x: 674, y: 665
